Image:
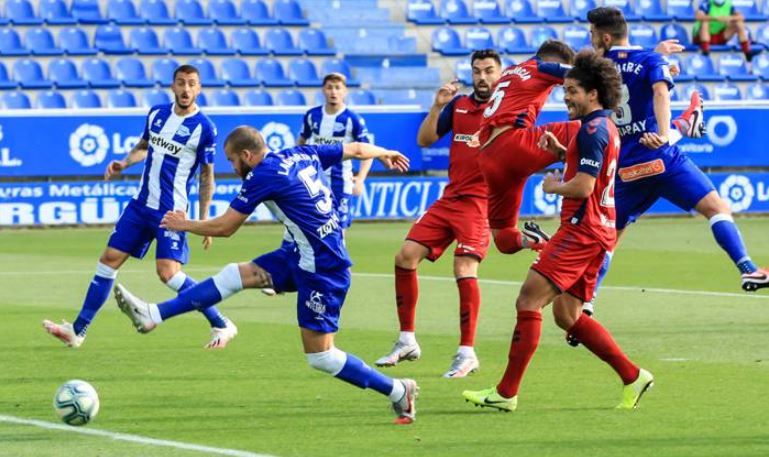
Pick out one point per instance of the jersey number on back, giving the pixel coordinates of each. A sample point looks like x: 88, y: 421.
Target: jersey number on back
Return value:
x: 496, y: 99
x: 623, y: 115
x: 315, y: 187
x: 607, y: 199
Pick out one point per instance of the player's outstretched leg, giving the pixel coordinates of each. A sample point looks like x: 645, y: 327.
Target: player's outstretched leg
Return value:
x: 510, y: 240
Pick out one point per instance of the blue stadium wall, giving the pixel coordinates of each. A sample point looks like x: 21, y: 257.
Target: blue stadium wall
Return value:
x: 74, y: 148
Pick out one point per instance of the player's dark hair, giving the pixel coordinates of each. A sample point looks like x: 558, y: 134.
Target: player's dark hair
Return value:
x: 186, y: 69
x: 481, y: 54
x: 556, y: 48
x: 592, y: 71
x: 245, y: 137
x: 335, y: 77
x: 609, y: 20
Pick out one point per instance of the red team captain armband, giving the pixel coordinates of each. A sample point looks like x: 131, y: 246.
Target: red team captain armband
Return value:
x: 642, y: 170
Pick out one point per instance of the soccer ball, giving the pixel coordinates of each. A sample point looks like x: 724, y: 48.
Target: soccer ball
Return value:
x: 76, y: 402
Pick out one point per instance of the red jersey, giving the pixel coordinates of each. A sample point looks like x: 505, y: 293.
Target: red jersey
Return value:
x: 520, y: 93
x: 462, y: 116
x: 595, y: 151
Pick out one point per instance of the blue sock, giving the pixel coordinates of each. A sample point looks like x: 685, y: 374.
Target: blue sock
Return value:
x: 97, y: 294
x: 200, y: 296
x: 181, y: 282
x: 357, y: 373
x: 728, y: 237
x: 602, y: 273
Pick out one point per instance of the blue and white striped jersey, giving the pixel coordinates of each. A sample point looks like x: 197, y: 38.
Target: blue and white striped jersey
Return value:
x: 177, y: 145
x: 346, y: 126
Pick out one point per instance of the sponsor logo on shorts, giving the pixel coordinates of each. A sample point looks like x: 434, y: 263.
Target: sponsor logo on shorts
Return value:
x: 738, y: 191
x: 172, y: 235
x: 642, y: 170
x: 315, y: 303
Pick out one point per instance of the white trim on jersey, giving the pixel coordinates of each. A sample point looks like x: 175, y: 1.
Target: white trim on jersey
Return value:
x: 306, y: 253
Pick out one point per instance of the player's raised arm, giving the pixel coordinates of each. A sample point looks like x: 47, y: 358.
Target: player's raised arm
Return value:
x: 438, y: 120
x: 137, y: 154
x: 220, y: 226
x: 393, y: 160
x: 662, y: 114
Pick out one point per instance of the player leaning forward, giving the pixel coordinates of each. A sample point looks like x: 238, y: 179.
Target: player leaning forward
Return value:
x: 566, y: 269
x: 288, y: 182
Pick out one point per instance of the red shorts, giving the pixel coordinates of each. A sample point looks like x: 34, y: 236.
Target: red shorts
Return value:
x: 571, y: 261
x: 509, y: 161
x: 448, y: 219
x: 717, y: 38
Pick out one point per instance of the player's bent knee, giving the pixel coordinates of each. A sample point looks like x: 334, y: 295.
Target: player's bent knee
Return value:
x: 508, y: 240
x: 228, y: 281
x: 465, y: 266
x: 331, y: 361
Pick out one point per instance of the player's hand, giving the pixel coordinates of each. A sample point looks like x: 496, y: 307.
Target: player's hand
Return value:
x: 551, y: 182
x: 446, y: 92
x: 475, y: 141
x: 674, y: 70
x: 653, y: 140
x: 549, y: 142
x: 114, y: 168
x: 174, y: 220
x: 394, y: 160
x: 357, y: 186
x: 207, y: 242
x: 668, y: 47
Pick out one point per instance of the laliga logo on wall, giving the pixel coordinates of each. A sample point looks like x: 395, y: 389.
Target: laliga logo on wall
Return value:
x: 88, y: 145
x: 738, y: 191
x: 549, y: 204
x: 278, y: 136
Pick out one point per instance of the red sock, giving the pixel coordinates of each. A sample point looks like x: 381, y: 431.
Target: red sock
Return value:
x: 599, y: 341
x: 406, y: 294
x: 522, y: 348
x: 745, y: 46
x: 469, y: 304
x: 509, y: 240
x: 705, y: 47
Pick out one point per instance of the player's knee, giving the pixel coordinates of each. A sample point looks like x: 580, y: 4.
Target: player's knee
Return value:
x: 508, y: 240
x: 331, y: 361
x: 407, y: 258
x: 563, y: 317
x: 165, y: 273
x: 465, y: 266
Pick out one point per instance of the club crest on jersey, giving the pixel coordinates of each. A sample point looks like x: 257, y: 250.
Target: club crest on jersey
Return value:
x: 339, y: 127
x: 183, y: 131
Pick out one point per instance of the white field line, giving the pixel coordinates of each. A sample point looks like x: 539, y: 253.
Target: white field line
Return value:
x: 130, y: 438
x: 656, y: 290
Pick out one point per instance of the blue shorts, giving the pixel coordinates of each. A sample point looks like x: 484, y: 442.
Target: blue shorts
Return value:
x: 136, y: 229
x: 320, y: 295
x: 681, y: 183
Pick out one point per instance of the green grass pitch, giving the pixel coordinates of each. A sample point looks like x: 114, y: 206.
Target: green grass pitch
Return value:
x: 673, y: 304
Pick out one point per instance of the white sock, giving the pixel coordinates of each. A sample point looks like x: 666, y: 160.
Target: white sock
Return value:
x: 155, y: 313
x: 467, y: 351
x: 399, y: 390
x: 408, y: 338
x: 177, y: 281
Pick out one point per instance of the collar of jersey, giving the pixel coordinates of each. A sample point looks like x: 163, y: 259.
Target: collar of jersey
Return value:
x: 626, y: 48
x: 197, y: 110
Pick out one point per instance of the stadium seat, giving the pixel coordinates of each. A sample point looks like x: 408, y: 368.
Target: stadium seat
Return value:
x: 749, y: 9
x: 463, y: 71
x: 213, y: 42
x: 552, y: 11
x: 109, y: 40
x: 55, y: 12
x: 304, y: 73
x: 446, y: 41
x: 556, y: 95
x: 422, y: 12
x: 255, y: 12
x: 163, y: 71
x: 701, y: 67
x: 542, y: 33
x: 682, y: 77
x: 757, y: 91
x: 681, y: 10
x: 643, y: 35
x: 761, y: 66
x: 145, y: 41
x: 5, y: 81
x: 651, y: 11
x: 685, y: 92
x: 50, y: 99
x: 20, y: 12
x: 155, y: 97
x: 270, y: 71
x: 339, y: 66
x: 87, y: 12
x: 190, y: 12
x: 513, y: 40
x: 237, y: 73
x: 625, y: 7
x: 579, y: 8
x: 119, y: 98
x: 74, y: 42
x: 40, y: 42
x: 280, y: 42
x: 98, y: 73
x: 16, y: 100
x: 208, y: 77
x: 521, y: 12
x: 10, y: 43
x: 131, y: 72
x: 762, y: 34
x: 123, y: 12
x: 86, y: 99
x: 733, y: 66
x: 674, y: 97
x: 489, y: 12
x: 225, y: 97
x: 223, y: 12
x: 179, y: 41
x: 202, y: 99
x: 455, y: 12
x: 361, y: 97
x: 291, y: 97
x: 678, y: 32
x: 63, y: 73
x: 479, y: 38
x: 315, y: 43
x: 319, y: 98
x: 577, y: 36
x: 727, y: 92
x: 288, y: 12
x: 423, y: 98
x: 247, y: 43
x: 155, y: 12
x: 29, y: 74
x: 258, y: 97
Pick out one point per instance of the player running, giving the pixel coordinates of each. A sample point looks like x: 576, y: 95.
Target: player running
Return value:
x: 178, y: 138
x: 566, y: 269
x: 288, y: 182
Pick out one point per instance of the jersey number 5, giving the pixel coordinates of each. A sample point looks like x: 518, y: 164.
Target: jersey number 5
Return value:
x: 315, y: 187
x: 496, y: 99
